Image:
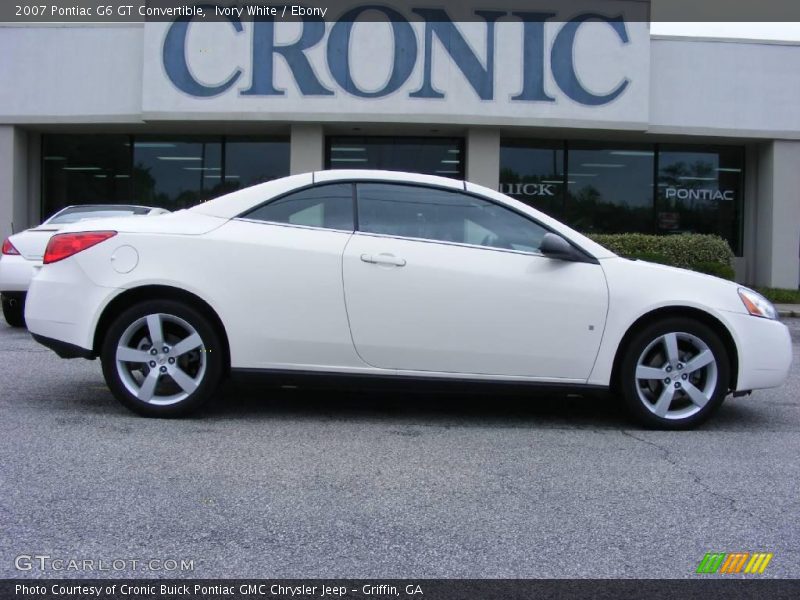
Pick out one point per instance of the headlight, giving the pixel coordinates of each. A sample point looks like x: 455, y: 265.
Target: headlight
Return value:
x: 757, y: 305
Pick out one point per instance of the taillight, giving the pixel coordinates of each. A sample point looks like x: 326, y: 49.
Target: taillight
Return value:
x: 8, y: 248
x: 64, y: 245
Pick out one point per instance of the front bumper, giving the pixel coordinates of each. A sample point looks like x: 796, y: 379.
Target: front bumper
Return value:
x: 765, y: 351
x: 16, y: 273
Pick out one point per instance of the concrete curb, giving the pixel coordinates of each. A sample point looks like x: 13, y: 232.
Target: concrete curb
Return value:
x: 788, y: 311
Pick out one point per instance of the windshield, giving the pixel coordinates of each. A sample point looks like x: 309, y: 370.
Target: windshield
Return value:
x: 80, y: 213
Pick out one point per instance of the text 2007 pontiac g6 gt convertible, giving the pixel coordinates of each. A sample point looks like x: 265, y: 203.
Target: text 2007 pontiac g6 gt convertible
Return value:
x: 386, y: 274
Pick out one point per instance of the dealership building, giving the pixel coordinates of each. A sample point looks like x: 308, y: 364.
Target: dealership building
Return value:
x: 582, y: 114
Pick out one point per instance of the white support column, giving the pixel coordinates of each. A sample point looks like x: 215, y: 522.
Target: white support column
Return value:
x: 483, y: 157
x: 746, y: 264
x: 307, y: 151
x: 34, y: 208
x: 778, y: 215
x: 13, y: 180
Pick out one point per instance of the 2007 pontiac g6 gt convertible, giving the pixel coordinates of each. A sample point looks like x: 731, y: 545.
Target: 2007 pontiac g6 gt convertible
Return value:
x: 374, y: 274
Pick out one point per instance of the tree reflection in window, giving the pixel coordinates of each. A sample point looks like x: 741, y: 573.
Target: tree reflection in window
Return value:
x: 700, y: 191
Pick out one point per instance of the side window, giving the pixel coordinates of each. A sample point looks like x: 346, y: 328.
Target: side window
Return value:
x: 329, y: 206
x: 441, y: 215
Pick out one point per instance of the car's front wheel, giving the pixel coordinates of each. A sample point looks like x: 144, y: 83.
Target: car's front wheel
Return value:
x: 162, y: 358
x: 674, y: 374
x: 14, y: 309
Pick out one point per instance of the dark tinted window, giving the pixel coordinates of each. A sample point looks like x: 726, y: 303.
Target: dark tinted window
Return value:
x: 533, y: 172
x: 85, y: 169
x: 432, y: 156
x: 329, y: 206
x: 700, y: 190
x: 176, y: 172
x: 433, y: 214
x: 610, y: 187
x: 167, y: 171
x: 249, y: 161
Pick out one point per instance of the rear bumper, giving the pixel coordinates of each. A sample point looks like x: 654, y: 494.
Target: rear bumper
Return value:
x: 15, y: 273
x: 63, y: 349
x: 62, y: 308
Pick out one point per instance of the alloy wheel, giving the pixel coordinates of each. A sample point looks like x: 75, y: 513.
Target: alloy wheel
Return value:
x: 161, y: 359
x: 676, y: 375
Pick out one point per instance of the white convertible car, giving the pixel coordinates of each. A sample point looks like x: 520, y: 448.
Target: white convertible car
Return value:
x: 385, y: 275
x: 23, y: 251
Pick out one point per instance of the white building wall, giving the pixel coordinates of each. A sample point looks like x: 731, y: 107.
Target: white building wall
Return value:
x: 725, y: 88
x: 88, y: 74
x: 745, y: 265
x: 307, y: 149
x: 14, y: 199
x: 34, y: 183
x: 778, y: 215
x: 483, y: 157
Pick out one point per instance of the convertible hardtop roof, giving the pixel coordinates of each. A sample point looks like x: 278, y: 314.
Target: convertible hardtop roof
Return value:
x: 234, y: 204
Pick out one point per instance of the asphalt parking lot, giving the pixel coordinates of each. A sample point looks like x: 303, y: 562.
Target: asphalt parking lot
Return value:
x: 285, y: 483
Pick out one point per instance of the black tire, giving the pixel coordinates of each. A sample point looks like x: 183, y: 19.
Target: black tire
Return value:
x: 14, y: 309
x: 641, y: 397
x: 205, y: 363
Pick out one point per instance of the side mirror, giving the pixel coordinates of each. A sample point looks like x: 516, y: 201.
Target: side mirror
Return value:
x: 555, y: 246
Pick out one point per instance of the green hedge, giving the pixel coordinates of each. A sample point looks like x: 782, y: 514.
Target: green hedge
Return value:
x: 780, y: 295
x: 704, y: 253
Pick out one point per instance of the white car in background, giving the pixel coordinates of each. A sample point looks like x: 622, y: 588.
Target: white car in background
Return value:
x: 399, y: 277
x: 24, y: 250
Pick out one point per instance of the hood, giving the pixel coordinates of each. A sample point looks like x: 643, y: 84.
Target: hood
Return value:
x: 680, y: 273
x: 641, y: 283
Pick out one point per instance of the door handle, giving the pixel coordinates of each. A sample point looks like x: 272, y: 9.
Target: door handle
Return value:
x: 384, y: 259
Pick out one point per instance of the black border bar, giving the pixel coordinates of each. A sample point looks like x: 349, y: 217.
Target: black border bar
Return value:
x: 405, y: 589
x: 138, y: 11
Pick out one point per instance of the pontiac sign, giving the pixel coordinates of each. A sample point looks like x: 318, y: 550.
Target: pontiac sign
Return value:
x: 681, y: 193
x: 502, y: 64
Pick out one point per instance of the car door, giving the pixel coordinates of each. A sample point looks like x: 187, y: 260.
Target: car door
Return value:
x: 280, y: 287
x: 445, y: 281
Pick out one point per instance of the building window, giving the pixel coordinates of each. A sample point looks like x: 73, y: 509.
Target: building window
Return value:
x: 534, y: 173
x: 610, y: 187
x: 176, y: 172
x: 700, y: 190
x: 431, y: 156
x: 252, y: 160
x: 171, y: 172
x: 85, y: 169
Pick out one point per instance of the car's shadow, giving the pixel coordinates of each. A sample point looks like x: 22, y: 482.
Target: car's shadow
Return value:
x: 502, y: 409
x: 89, y: 398
x: 432, y: 407
x: 769, y: 410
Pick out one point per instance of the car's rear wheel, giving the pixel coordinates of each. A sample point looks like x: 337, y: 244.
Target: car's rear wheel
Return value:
x: 14, y: 309
x: 675, y: 374
x: 162, y: 359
